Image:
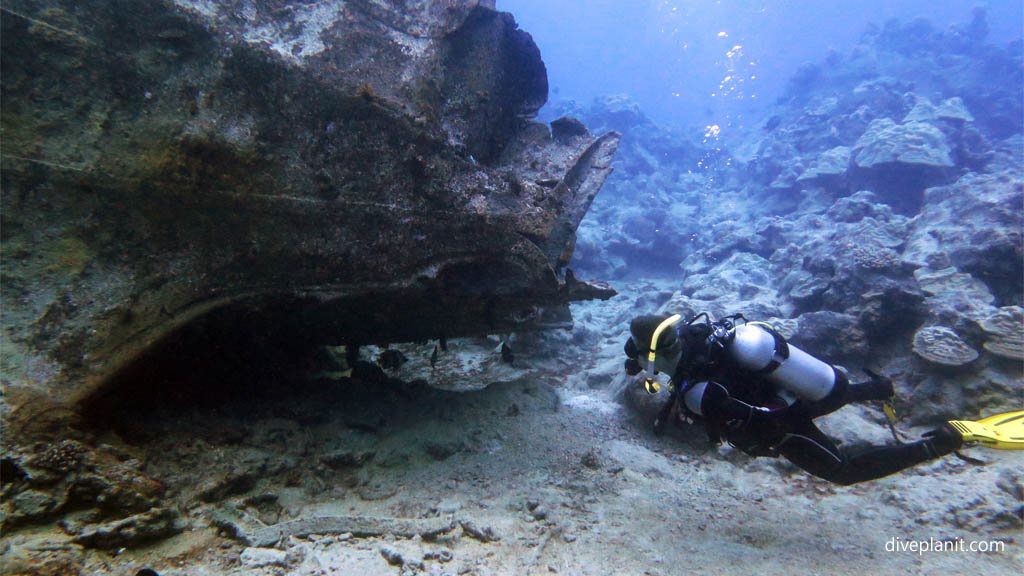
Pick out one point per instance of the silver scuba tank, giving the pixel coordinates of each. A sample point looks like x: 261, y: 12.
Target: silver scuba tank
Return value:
x: 756, y: 349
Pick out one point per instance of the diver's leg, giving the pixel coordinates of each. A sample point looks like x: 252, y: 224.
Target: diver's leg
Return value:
x: 843, y: 393
x: 811, y: 450
x: 875, y: 389
x: 835, y: 399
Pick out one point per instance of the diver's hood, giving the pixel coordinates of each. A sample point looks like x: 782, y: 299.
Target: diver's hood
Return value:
x: 669, y: 347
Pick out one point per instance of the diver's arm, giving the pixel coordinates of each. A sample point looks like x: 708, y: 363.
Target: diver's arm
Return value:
x: 712, y: 401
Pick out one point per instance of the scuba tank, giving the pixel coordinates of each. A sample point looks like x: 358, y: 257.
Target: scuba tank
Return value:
x: 762, y: 350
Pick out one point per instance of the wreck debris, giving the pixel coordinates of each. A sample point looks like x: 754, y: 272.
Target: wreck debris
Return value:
x: 485, y: 534
x: 362, y: 175
x: 131, y: 531
x: 358, y: 526
x: 262, y: 166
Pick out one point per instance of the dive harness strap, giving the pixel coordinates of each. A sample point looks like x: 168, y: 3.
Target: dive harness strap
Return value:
x: 650, y: 383
x: 889, y: 407
x: 781, y: 349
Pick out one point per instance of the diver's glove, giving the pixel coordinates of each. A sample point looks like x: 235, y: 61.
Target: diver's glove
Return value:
x: 630, y: 348
x: 943, y: 440
x: 633, y: 367
x: 880, y: 386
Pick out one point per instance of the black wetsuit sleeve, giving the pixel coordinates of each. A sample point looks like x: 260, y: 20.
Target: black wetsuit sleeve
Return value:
x: 723, y: 412
x: 718, y: 405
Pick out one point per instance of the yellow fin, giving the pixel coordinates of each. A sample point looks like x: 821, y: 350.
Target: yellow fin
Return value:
x: 1001, y: 431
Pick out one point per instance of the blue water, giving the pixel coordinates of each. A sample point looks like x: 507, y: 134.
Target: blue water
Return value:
x: 711, y: 62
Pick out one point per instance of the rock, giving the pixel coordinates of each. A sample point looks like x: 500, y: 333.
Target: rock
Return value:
x: 949, y: 281
x: 37, y: 555
x: 828, y: 170
x: 443, y: 450
x: 981, y: 513
x: 485, y: 534
x: 565, y: 129
x: 380, y: 489
x: 596, y: 380
x: 950, y: 109
x: 912, y: 143
x: 898, y: 161
x: 858, y: 206
x: 1010, y: 482
x: 263, y: 557
x: 236, y: 481
x: 345, y: 459
x: 448, y: 506
x: 830, y: 336
x: 590, y: 459
x: 131, y: 531
x: 393, y: 557
x: 443, y: 556
x: 955, y: 297
x: 942, y: 346
x: 953, y: 109
x: 539, y: 513
x: 805, y: 289
x: 975, y: 223
x: 891, y: 312
x: 31, y: 505
x: 644, y: 405
x: 267, y: 507
x: 742, y: 273
x: 391, y: 359
x: 617, y: 112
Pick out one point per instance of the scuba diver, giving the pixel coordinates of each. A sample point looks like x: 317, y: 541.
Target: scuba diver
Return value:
x: 761, y: 394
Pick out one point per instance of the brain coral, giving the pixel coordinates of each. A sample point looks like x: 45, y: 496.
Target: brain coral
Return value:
x: 874, y: 257
x: 885, y: 141
x: 941, y: 345
x: 1006, y: 332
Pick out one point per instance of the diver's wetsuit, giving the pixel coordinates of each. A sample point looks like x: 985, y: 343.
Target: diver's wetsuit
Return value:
x: 743, y: 408
x: 790, y: 431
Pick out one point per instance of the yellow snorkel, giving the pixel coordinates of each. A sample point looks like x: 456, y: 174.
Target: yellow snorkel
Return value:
x: 650, y: 383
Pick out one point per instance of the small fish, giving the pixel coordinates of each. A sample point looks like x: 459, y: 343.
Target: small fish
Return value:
x: 433, y: 358
x: 506, y: 353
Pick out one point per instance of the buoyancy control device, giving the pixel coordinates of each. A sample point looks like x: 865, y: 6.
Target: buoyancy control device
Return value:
x: 754, y: 347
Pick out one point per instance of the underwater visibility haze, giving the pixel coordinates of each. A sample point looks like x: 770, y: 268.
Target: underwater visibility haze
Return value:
x: 511, y: 287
